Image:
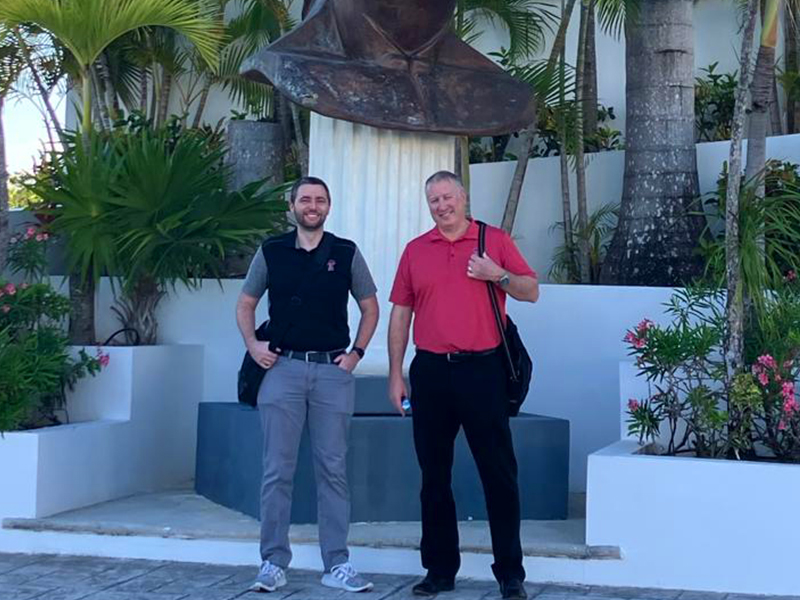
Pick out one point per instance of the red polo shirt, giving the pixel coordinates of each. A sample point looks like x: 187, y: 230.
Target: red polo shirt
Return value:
x: 452, y: 312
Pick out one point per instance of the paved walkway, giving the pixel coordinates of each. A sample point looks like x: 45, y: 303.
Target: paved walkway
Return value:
x: 28, y: 577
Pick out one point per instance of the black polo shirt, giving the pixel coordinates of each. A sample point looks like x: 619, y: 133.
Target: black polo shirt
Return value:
x: 308, y: 290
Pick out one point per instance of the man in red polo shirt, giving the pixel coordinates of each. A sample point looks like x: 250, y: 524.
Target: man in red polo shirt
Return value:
x: 458, y: 378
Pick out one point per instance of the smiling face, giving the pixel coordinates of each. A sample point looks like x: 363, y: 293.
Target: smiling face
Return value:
x: 311, y: 206
x: 447, y: 202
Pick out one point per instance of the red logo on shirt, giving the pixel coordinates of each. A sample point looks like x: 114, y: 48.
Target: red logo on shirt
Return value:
x: 331, y: 265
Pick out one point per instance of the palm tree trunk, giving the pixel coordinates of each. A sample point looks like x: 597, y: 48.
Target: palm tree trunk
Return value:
x: 512, y: 202
x: 566, y: 203
x: 302, y: 147
x: 201, y: 104
x: 656, y: 239
x: 734, y: 311
x: 510, y: 212
x: 792, y: 30
x: 99, y: 99
x: 462, y: 164
x: 760, y: 96
x: 43, y: 92
x: 590, y: 100
x: 580, y: 163
x: 86, y: 96
x: 143, y: 91
x: 4, y: 228
x: 81, y: 312
x: 163, y: 99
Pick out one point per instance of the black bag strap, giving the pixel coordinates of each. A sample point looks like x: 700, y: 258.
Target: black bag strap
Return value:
x: 493, y: 299
x: 321, y: 256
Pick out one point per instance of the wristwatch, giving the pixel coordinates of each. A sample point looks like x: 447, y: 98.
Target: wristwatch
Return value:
x: 504, y: 280
x: 359, y: 351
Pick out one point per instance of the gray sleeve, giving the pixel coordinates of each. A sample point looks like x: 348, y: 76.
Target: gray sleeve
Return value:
x: 362, y: 285
x: 257, y: 278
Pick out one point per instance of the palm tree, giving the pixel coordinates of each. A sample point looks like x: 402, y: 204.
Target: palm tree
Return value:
x: 86, y: 28
x: 659, y: 227
x: 734, y: 310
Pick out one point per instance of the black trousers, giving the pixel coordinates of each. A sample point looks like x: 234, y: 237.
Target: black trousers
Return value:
x: 446, y: 396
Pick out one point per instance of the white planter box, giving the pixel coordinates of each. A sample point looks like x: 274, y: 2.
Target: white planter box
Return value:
x: 133, y: 429
x: 698, y: 524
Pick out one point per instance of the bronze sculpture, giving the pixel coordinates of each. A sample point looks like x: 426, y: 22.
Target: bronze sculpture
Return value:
x: 393, y: 64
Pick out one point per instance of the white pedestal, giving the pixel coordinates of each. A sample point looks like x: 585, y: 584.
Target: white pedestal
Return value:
x: 376, y: 178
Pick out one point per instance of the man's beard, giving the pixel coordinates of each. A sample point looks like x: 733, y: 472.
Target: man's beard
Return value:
x: 302, y: 223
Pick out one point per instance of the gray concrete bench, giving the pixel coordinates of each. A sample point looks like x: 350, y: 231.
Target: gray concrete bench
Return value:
x: 382, y: 466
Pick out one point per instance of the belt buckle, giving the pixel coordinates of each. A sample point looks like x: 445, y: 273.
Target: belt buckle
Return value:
x: 305, y: 357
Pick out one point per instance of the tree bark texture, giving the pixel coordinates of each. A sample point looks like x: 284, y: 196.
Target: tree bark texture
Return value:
x: 201, y: 104
x: 657, y: 235
x: 163, y: 98
x: 589, y: 73
x: 792, y: 31
x: 302, y: 147
x: 580, y: 162
x: 4, y: 231
x: 81, y: 314
x: 760, y: 96
x: 734, y: 310
x: 510, y: 212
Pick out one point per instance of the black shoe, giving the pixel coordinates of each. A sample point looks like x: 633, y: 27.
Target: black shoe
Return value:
x: 513, y: 588
x: 432, y: 585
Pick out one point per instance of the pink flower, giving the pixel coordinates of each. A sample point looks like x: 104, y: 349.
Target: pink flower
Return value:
x: 30, y: 232
x: 5, y: 308
x: 643, y: 326
x: 45, y: 236
x: 763, y: 379
x: 39, y: 237
x: 103, y: 358
x: 765, y: 360
x: 790, y: 407
x: 633, y: 405
x: 791, y: 276
x: 10, y: 289
x: 781, y: 425
x: 787, y: 390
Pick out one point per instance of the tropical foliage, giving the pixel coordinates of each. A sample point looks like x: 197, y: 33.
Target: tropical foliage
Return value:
x: 152, y: 209
x: 36, y: 366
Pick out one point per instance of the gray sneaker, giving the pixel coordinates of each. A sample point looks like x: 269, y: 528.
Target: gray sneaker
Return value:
x: 270, y: 578
x: 345, y: 577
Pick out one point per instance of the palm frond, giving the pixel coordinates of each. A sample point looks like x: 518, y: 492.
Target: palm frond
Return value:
x: 613, y: 15
x: 87, y: 27
x: 526, y: 21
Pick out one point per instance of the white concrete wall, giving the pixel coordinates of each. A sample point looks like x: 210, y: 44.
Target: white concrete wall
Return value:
x: 133, y: 429
x: 699, y: 524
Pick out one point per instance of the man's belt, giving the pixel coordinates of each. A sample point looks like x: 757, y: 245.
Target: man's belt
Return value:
x: 315, y: 357
x: 455, y: 357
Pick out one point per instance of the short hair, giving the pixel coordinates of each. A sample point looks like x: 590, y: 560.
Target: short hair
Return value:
x: 308, y: 180
x: 444, y: 176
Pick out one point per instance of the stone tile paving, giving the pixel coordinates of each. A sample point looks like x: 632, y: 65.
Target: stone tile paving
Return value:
x: 46, y: 577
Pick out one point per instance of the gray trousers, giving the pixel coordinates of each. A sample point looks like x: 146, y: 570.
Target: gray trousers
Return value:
x: 293, y: 390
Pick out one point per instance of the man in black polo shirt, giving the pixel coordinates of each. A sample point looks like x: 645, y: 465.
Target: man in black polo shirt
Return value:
x: 309, y: 275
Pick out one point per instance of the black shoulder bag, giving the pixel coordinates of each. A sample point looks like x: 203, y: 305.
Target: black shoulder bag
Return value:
x: 518, y: 364
x: 251, y: 374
